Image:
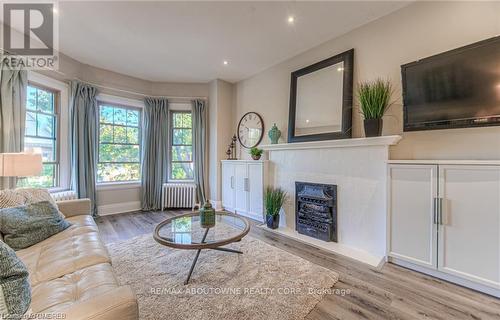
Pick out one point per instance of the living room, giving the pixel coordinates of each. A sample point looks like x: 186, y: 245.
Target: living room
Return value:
x: 253, y: 160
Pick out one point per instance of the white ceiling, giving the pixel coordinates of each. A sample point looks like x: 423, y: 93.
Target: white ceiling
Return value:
x: 188, y: 41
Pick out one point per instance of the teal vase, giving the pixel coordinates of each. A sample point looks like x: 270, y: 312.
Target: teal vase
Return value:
x: 274, y: 134
x: 207, y: 216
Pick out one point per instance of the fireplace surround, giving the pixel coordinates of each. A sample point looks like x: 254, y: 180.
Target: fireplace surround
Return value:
x: 316, y: 210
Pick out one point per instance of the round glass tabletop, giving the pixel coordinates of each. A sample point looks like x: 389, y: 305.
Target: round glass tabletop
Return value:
x: 186, y: 231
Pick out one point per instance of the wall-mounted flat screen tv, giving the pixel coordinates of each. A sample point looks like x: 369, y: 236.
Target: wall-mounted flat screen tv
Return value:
x: 455, y: 89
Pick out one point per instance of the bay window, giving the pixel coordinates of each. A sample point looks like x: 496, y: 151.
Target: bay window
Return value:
x: 119, y: 154
x: 181, y: 146
x: 41, y: 133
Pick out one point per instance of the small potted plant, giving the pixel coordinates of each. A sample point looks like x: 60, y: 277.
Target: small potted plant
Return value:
x: 256, y: 153
x: 374, y: 99
x: 274, y: 199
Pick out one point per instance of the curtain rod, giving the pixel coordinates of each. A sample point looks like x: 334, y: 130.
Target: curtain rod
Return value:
x: 138, y: 93
x: 128, y: 91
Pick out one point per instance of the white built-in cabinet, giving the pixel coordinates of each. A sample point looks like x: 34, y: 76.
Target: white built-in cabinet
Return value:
x: 243, y: 184
x: 444, y: 219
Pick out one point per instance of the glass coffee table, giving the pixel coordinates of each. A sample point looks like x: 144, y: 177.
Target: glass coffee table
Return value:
x: 185, y: 232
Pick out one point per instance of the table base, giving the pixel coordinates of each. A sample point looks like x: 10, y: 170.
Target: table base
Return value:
x: 198, y: 254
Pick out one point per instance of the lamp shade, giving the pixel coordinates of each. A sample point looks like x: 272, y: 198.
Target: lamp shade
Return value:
x: 20, y: 164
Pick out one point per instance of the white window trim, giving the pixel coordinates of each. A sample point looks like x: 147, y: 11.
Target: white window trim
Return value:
x: 173, y: 107
x: 112, y: 99
x: 63, y: 136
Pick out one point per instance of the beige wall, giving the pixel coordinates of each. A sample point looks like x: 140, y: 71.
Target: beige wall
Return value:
x: 129, y: 87
x: 381, y: 47
x: 220, y: 132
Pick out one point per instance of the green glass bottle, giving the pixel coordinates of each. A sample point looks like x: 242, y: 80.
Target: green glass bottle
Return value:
x: 207, y: 216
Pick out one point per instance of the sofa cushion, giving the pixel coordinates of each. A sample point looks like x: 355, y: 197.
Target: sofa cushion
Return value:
x: 75, y: 248
x: 57, y: 294
x: 23, y: 196
x: 27, y: 225
x: 15, y: 290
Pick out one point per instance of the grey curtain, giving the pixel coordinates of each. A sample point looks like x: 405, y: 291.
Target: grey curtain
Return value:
x: 84, y: 117
x: 13, y: 88
x: 154, y: 152
x: 199, y: 146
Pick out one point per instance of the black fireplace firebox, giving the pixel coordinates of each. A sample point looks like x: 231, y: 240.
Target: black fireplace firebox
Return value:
x: 316, y: 210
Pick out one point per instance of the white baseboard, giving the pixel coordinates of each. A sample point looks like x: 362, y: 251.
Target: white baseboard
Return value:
x: 115, y: 208
x: 216, y: 204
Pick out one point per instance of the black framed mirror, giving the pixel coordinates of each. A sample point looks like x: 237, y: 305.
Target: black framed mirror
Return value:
x: 321, y: 100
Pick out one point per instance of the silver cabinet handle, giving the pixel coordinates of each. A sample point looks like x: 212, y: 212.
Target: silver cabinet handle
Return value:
x: 434, y: 211
x: 246, y: 184
x: 232, y: 182
x: 440, y: 209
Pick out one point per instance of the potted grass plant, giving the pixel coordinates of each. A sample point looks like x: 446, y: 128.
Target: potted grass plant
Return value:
x: 256, y: 153
x: 374, y: 99
x: 274, y: 199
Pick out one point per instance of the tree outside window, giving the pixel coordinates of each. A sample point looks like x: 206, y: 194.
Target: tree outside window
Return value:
x: 119, y: 143
x: 181, y: 146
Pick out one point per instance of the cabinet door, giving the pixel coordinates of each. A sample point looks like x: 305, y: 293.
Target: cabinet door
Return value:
x: 255, y: 191
x: 240, y: 188
x: 228, y: 186
x: 469, y: 233
x: 412, y: 193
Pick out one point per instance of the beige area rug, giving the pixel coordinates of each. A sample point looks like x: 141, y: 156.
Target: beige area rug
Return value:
x: 264, y: 283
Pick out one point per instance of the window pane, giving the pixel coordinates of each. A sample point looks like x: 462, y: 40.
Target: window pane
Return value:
x: 45, y: 180
x: 31, y: 99
x: 182, y: 171
x: 108, y: 172
x: 45, y: 125
x: 132, y: 135
x: 106, y: 114
x: 186, y: 123
x: 30, y: 124
x: 48, y: 147
x: 132, y: 118
x: 118, y: 153
x: 45, y: 101
x: 120, y: 116
x: 182, y: 120
x: 105, y: 133
x: 182, y: 153
x: 182, y: 136
x: 177, y: 119
x: 120, y: 134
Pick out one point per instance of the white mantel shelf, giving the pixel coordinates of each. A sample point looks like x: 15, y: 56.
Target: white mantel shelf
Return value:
x: 341, y: 143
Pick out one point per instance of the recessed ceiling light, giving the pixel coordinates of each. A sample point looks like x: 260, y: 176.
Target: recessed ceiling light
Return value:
x: 340, y: 69
x: 225, y: 62
x: 307, y: 121
x: 291, y: 19
x: 54, y: 10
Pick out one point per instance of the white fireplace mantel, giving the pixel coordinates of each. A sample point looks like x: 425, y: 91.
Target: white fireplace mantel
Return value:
x: 341, y: 143
x: 358, y: 168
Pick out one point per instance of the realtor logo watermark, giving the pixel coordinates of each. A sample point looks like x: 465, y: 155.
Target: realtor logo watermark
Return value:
x: 29, y: 35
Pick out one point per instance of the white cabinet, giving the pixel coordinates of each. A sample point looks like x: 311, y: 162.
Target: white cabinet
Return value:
x: 413, y: 189
x: 444, y: 219
x: 228, y: 193
x: 243, y: 184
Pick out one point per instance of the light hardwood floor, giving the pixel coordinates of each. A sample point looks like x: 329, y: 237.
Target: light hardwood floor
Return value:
x: 389, y: 293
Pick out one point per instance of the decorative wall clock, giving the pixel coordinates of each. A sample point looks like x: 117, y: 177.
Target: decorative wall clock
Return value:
x: 250, y: 129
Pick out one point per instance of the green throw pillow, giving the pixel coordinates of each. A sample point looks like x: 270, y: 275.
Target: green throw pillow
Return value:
x: 15, y: 290
x: 25, y: 226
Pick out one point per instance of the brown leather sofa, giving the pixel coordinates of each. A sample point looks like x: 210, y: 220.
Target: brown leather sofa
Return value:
x: 71, y: 273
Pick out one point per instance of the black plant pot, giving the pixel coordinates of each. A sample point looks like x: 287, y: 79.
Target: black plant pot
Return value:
x: 373, y: 127
x: 273, y: 221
